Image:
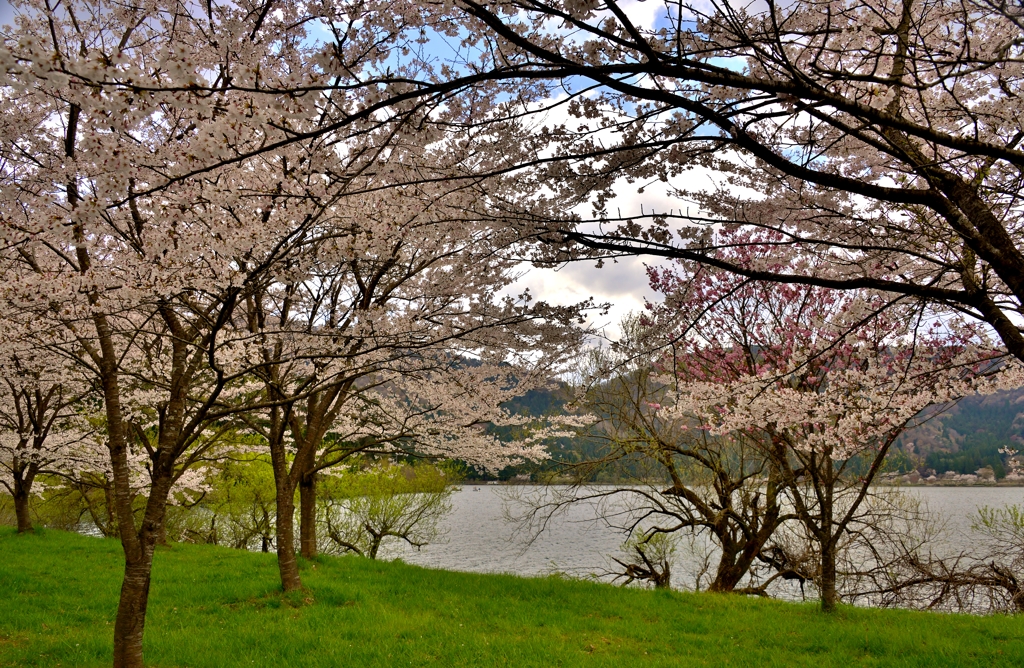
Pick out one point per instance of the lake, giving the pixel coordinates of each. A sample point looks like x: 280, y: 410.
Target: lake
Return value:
x: 578, y: 543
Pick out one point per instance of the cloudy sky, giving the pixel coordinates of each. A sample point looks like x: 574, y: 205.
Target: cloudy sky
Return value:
x: 622, y: 283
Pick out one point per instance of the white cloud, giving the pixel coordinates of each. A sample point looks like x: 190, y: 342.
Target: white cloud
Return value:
x: 622, y: 285
x: 641, y: 13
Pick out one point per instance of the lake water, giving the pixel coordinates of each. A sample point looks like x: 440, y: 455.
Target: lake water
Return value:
x: 577, y: 542
x: 479, y: 537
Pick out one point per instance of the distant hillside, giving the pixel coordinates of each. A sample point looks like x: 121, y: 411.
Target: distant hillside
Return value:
x: 968, y: 436
x: 963, y: 439
x: 537, y: 403
x: 552, y: 401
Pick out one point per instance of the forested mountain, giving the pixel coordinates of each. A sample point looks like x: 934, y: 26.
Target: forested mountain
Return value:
x: 548, y: 402
x: 969, y: 435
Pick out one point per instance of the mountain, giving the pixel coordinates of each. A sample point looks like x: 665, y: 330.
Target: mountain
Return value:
x: 969, y: 435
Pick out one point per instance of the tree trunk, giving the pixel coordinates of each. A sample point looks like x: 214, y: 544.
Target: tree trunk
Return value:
x: 738, y: 554
x: 829, y: 597
x: 307, y: 516
x: 137, y: 544
x: 138, y: 568
x: 828, y: 537
x: 23, y: 477
x: 265, y: 531
x: 284, y: 488
x: 21, y: 507
x: 131, y: 611
x: 727, y: 576
x: 285, y: 525
x: 284, y: 520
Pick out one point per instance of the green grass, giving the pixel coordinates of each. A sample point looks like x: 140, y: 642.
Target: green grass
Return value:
x: 213, y: 606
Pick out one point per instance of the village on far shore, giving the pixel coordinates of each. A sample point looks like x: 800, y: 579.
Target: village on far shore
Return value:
x: 983, y: 476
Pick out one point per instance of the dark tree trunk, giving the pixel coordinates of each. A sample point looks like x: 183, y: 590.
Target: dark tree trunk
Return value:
x: 285, y: 525
x: 374, y: 546
x: 741, y: 548
x: 131, y: 611
x: 24, y: 475
x: 284, y: 520
x: 284, y: 488
x: 828, y: 537
x: 21, y: 508
x: 829, y: 597
x: 728, y: 575
x: 138, y: 568
x: 307, y: 516
x: 265, y: 531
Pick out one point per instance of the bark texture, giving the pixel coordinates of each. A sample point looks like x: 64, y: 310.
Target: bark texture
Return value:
x: 307, y: 516
x: 21, y: 507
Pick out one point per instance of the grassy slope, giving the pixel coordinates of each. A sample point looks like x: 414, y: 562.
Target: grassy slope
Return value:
x: 218, y: 607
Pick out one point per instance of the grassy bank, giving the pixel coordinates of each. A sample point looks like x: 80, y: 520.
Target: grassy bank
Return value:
x: 213, y: 606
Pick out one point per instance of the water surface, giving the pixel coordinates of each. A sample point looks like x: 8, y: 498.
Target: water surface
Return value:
x: 579, y: 543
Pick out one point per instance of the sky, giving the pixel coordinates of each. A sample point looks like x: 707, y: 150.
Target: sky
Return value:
x: 622, y: 283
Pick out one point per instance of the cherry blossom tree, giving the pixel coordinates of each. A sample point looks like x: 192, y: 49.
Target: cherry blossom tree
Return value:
x: 44, y: 431
x: 826, y: 379
x: 677, y: 478
x: 145, y: 287
x: 396, y: 325
x: 881, y: 139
